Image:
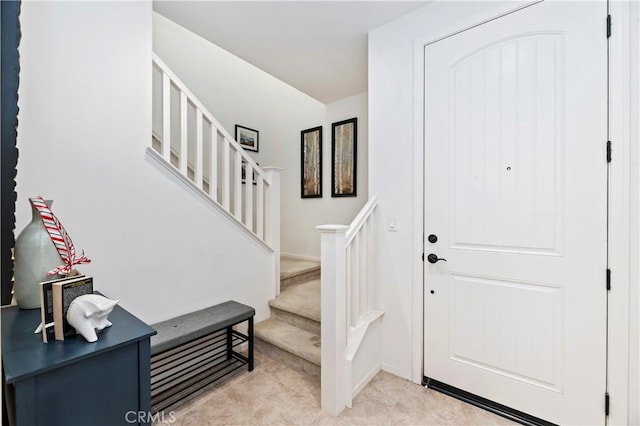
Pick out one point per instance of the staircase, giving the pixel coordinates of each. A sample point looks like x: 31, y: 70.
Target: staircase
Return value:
x: 292, y: 334
x: 188, y: 143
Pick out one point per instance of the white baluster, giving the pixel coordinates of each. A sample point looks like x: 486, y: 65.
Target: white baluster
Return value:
x: 197, y: 173
x: 213, y: 173
x: 362, y: 267
x: 356, y: 284
x: 260, y: 207
x: 370, y: 263
x: 237, y: 187
x: 349, y: 288
x: 183, y: 133
x: 248, y: 192
x: 226, y: 175
x: 166, y: 117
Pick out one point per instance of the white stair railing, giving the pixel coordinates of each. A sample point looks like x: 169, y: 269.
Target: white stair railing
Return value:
x: 189, y: 140
x: 347, y: 303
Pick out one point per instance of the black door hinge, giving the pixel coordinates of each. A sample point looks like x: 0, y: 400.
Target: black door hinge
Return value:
x: 423, y: 257
x: 608, y: 279
x: 608, y: 151
x: 606, y: 403
x: 608, y: 26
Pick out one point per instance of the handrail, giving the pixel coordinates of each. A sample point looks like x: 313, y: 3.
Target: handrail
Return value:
x: 212, y: 161
x: 194, y: 100
x: 361, y: 219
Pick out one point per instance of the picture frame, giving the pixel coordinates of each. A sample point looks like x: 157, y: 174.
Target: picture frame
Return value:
x: 244, y: 173
x: 344, y: 156
x: 247, y: 138
x: 311, y: 163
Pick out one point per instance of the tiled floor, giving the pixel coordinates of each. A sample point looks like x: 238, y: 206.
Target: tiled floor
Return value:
x: 274, y: 394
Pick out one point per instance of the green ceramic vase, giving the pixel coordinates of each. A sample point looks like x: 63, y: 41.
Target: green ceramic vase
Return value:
x: 35, y: 255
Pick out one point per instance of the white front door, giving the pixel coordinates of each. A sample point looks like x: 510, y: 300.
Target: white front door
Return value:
x: 516, y: 194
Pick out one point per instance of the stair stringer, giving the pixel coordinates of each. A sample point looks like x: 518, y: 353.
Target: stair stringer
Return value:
x: 171, y: 172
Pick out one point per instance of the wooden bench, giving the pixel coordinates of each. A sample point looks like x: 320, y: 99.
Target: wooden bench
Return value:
x: 193, y: 350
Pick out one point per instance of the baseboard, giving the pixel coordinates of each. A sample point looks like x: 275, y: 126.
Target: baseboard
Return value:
x: 300, y: 257
x: 365, y: 381
x: 396, y: 371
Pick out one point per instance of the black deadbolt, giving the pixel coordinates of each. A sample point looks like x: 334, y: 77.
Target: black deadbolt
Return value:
x: 432, y: 238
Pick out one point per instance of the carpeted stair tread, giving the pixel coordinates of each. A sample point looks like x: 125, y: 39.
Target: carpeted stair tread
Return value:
x: 302, y: 299
x: 290, y: 338
x: 290, y: 267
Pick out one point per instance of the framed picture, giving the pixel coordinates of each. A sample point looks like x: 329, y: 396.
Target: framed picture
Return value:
x: 247, y: 138
x: 244, y: 173
x: 311, y: 163
x: 344, y: 139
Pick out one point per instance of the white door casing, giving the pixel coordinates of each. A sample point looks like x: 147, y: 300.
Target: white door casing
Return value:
x: 515, y: 189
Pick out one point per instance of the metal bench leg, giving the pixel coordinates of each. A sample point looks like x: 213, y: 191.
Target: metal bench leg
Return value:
x: 229, y: 342
x: 250, y: 335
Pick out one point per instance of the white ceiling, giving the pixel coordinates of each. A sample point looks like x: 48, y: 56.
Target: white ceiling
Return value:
x: 318, y: 47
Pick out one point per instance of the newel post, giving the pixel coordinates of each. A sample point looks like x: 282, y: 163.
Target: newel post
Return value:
x: 272, y: 220
x: 333, y: 273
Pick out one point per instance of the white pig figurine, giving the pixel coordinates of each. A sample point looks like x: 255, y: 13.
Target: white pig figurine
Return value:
x: 89, y: 313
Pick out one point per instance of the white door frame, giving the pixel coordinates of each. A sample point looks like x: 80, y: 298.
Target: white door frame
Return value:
x: 624, y: 193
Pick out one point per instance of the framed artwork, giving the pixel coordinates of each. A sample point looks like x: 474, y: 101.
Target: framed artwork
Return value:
x: 244, y: 173
x: 311, y: 163
x: 247, y: 138
x: 344, y: 137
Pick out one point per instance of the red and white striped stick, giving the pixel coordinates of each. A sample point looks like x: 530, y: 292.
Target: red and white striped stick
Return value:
x: 59, y: 237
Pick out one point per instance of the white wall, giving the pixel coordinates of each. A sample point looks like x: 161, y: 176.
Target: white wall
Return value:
x: 392, y: 131
x: 327, y: 210
x: 634, y: 296
x: 84, y: 125
x: 236, y: 92
x: 391, y: 144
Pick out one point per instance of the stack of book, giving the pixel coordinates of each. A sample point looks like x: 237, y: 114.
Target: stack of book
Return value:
x: 55, y: 298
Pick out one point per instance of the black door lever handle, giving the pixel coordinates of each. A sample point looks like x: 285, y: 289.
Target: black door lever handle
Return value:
x: 433, y: 258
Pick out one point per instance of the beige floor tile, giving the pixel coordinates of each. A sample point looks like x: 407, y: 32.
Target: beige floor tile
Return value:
x: 300, y: 382
x: 329, y: 420
x: 210, y: 413
x: 293, y: 409
x: 402, y: 414
x: 261, y: 359
x: 274, y: 394
x: 384, y: 389
x: 366, y: 412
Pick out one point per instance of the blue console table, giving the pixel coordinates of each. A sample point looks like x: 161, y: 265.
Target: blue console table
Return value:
x: 74, y: 382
